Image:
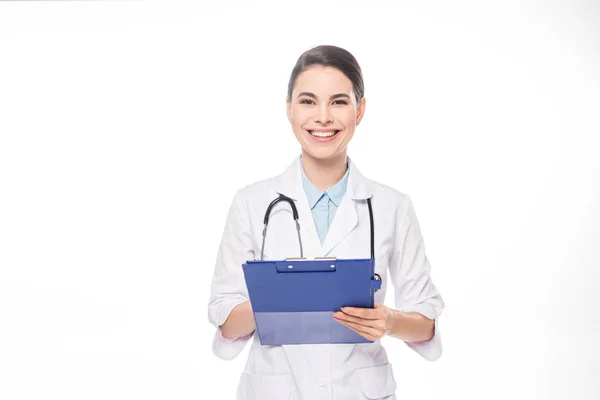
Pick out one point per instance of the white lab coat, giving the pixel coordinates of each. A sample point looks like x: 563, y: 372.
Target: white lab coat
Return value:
x: 323, y: 372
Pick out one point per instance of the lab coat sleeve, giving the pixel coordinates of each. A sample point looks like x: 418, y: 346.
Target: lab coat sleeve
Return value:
x: 228, y: 288
x: 410, y: 273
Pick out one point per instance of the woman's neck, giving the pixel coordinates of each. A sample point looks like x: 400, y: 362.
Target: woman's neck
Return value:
x: 324, y: 174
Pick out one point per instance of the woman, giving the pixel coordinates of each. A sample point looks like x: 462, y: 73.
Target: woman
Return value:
x: 325, y: 103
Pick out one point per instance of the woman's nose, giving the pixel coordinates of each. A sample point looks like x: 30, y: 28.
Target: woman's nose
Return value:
x: 324, y: 115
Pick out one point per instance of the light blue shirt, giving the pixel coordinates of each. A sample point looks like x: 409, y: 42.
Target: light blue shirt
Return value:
x: 324, y: 204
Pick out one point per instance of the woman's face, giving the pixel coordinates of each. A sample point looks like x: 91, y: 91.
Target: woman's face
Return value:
x: 323, y: 112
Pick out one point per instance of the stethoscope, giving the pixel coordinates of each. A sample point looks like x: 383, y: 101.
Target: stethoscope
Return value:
x: 295, y: 215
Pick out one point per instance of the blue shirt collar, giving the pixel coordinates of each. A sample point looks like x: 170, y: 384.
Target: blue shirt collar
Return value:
x: 335, y: 193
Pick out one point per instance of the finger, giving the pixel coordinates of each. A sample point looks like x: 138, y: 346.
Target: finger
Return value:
x: 366, y: 313
x: 373, y: 323
x: 361, y: 328
x: 360, y: 332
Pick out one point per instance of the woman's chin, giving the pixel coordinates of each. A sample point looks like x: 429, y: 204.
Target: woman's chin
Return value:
x: 322, y: 154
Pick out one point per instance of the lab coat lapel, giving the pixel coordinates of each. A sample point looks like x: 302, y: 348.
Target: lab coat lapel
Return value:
x: 290, y: 184
x: 346, y: 217
x: 344, y: 222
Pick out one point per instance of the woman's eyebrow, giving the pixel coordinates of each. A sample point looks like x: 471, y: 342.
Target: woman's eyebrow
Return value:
x: 335, y: 96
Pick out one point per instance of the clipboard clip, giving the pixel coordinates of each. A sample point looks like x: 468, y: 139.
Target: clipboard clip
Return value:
x: 308, y: 264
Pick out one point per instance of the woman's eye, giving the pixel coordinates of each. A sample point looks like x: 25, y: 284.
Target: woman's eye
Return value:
x: 337, y: 102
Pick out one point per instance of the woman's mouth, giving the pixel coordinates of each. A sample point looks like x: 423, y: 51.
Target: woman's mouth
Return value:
x: 324, y: 135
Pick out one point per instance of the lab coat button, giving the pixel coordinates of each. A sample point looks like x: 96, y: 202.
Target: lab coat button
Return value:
x: 322, y: 382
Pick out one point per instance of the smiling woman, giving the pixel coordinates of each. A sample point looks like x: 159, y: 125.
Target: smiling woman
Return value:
x: 325, y: 103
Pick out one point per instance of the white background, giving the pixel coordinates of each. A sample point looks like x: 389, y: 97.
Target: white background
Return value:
x: 126, y: 128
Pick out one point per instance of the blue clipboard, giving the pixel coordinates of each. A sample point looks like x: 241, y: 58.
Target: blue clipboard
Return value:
x: 293, y: 299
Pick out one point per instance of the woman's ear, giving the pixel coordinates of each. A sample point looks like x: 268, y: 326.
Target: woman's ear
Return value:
x: 360, y: 111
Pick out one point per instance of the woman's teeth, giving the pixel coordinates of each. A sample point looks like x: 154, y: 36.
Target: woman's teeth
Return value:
x: 323, y: 134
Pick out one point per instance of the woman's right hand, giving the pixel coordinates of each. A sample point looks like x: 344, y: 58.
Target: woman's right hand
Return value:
x: 240, y: 321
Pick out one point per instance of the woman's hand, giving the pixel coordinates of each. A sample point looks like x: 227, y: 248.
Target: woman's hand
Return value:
x: 240, y: 322
x: 370, y: 323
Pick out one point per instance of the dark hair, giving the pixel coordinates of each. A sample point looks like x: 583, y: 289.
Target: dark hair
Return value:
x: 330, y: 56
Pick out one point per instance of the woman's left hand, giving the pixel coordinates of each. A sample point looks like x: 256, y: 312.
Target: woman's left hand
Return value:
x: 370, y: 323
